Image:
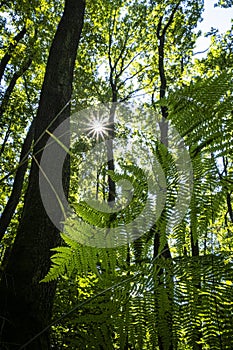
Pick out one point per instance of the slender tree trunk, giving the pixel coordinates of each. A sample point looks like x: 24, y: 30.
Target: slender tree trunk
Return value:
x: 165, y: 281
x: 228, y: 195
x: 197, y: 334
x: 12, y: 84
x: 25, y: 303
x: 6, y: 58
x: 110, y: 153
x: 13, y: 200
x: 7, y: 135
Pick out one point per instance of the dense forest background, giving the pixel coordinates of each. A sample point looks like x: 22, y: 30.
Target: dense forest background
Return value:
x: 169, y: 288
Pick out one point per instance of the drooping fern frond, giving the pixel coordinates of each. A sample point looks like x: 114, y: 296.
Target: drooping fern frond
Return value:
x: 75, y: 257
x: 202, y: 113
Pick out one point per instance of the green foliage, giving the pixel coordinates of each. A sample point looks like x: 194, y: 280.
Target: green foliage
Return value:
x: 126, y: 297
x: 26, y: 34
x: 196, y: 290
x: 202, y: 293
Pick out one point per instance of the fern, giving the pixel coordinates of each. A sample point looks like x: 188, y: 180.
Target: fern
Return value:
x: 125, y: 296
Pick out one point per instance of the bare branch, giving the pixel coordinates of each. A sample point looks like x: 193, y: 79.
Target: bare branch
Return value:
x: 128, y: 64
x: 110, y: 31
x: 120, y: 56
x: 159, y: 27
x: 171, y: 18
x: 134, y: 75
x: 7, y: 134
x: 133, y: 92
x: 199, y: 52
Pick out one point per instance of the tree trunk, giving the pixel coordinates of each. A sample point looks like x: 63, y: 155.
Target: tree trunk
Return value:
x: 25, y: 303
x: 165, y: 281
x: 12, y: 84
x: 14, y: 198
x: 6, y: 58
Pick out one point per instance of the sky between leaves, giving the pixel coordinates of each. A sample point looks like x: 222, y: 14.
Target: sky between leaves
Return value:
x: 215, y: 17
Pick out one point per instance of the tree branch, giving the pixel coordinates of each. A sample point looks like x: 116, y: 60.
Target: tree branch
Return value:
x: 134, y: 75
x: 14, y: 198
x: 171, y: 18
x: 6, y: 58
x: 12, y: 84
x: 7, y: 134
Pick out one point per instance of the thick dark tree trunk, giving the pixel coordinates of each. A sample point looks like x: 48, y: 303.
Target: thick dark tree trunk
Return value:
x: 25, y: 303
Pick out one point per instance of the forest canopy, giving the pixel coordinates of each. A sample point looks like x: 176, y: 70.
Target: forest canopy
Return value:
x: 116, y: 175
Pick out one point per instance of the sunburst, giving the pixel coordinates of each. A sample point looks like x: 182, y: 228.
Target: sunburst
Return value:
x: 98, y: 127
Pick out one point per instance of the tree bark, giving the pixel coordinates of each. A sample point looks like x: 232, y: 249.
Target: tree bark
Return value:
x: 25, y: 303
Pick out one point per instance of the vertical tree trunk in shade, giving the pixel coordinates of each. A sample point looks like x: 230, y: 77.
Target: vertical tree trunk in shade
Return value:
x: 164, y: 278
x: 25, y: 303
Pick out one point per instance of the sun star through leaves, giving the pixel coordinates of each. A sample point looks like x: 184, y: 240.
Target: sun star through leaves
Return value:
x: 98, y: 127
